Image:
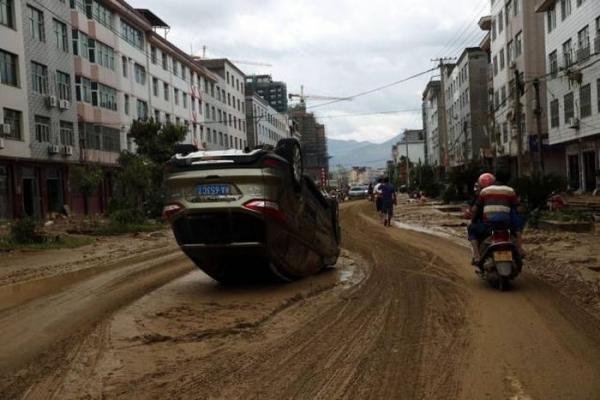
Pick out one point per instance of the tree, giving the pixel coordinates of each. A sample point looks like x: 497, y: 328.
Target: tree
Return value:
x: 140, y: 181
x: 86, y: 181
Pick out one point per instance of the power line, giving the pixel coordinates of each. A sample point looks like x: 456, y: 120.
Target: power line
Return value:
x: 373, y: 90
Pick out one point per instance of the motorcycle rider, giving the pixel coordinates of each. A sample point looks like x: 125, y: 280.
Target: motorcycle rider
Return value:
x: 498, y: 204
x: 477, y: 229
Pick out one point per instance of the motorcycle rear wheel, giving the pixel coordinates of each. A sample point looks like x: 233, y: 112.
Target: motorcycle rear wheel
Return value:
x: 503, y: 283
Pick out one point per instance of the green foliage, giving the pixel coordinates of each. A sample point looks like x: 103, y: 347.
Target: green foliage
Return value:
x: 48, y: 243
x: 127, y: 217
x: 423, y: 178
x: 534, y: 190
x: 133, y: 181
x: 86, y: 179
x: 25, y: 231
x: 567, y: 215
x: 155, y: 140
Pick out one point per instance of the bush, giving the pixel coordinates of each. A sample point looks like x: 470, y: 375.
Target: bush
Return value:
x: 127, y: 217
x: 536, y: 189
x: 25, y: 231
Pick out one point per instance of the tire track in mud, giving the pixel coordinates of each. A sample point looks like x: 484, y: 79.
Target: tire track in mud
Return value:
x: 41, y: 336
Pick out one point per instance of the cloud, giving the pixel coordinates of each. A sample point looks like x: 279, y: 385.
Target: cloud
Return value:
x: 335, y: 48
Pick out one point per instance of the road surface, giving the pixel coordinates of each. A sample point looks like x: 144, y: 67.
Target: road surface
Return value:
x: 402, y: 317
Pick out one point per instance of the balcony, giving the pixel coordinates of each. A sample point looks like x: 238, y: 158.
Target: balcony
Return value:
x: 583, y: 53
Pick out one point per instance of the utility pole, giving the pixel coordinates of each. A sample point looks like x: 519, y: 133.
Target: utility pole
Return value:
x: 538, y: 118
x: 517, y: 111
x: 407, y: 164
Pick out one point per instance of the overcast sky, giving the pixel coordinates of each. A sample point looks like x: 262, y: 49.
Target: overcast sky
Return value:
x: 334, y: 48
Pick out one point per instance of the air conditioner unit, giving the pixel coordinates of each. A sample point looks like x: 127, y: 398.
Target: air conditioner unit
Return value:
x: 1, y: 143
x: 6, y: 129
x: 64, y: 104
x: 52, y: 101
x: 573, y: 123
x: 53, y: 149
x: 67, y: 150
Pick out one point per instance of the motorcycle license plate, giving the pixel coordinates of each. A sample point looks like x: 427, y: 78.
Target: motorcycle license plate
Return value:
x: 503, y: 255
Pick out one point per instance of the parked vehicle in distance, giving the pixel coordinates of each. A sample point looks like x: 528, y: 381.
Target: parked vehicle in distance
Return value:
x: 358, y: 192
x: 243, y: 215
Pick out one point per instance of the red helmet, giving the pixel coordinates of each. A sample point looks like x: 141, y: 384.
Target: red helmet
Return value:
x: 486, y: 180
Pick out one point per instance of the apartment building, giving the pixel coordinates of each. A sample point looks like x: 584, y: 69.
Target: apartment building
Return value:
x: 274, y: 92
x: 517, y: 51
x: 572, y: 52
x: 265, y: 125
x: 74, y: 75
x: 466, y: 100
x: 313, y: 142
x: 434, y: 124
x: 225, y: 106
x: 412, y: 145
x: 14, y: 111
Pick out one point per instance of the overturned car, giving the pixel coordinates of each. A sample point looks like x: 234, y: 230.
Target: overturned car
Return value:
x: 243, y: 215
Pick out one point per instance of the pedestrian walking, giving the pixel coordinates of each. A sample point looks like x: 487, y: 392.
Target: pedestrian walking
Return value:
x: 377, y: 194
x: 388, y: 199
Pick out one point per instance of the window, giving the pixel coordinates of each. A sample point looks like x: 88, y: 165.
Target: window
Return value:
x: 176, y: 95
x: 183, y: 72
x: 142, y: 109
x: 63, y: 83
x: 8, y: 68
x: 60, y: 35
x: 102, y: 14
x: 140, y: 74
x: 567, y: 53
x: 598, y: 93
x: 551, y: 19
x: 42, y: 128
x: 107, y: 97
x: 583, y: 39
x: 81, y: 44
x: 157, y: 115
x: 175, y: 68
x: 153, y: 55
x: 565, y: 8
x: 166, y: 91
x: 503, y: 94
x: 510, y: 50
x: 518, y: 44
x: 585, y: 100
x: 553, y: 62
x: 184, y: 98
x: 126, y: 104
x: 493, y: 30
x: 569, y: 107
x: 507, y: 10
x: 131, y: 35
x: 495, y: 63
x: 66, y: 133
x: 110, y: 137
x: 39, y: 78
x: 105, y: 56
x: 501, y: 55
x: 500, y: 21
x: 554, y: 114
x: 517, y: 7
x: 165, y: 61
x: 83, y: 89
x: 36, y: 24
x: 125, y: 68
x: 13, y: 118
x: 7, y: 17
x: 155, y: 86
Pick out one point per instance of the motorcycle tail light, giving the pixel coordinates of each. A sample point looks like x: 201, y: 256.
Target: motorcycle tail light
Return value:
x: 267, y: 208
x: 170, y: 210
x: 502, y: 236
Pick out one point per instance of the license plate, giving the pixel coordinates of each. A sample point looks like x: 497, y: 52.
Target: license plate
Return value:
x: 503, y: 256
x: 213, y: 190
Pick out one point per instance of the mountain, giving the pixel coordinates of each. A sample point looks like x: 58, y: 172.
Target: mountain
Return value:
x: 351, y: 153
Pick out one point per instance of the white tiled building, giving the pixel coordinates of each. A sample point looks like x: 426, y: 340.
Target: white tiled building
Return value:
x: 264, y: 124
x: 573, y: 61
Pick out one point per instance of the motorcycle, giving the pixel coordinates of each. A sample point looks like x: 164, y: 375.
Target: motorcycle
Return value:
x: 501, y: 261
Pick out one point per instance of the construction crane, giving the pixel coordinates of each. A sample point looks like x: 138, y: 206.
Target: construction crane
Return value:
x: 304, y: 97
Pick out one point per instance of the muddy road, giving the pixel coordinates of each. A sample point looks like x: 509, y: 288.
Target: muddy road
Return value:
x: 402, y: 316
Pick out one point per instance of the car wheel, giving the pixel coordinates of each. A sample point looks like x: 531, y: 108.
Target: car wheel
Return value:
x: 291, y: 151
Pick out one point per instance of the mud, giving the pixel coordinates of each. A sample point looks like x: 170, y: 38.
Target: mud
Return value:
x: 401, y: 316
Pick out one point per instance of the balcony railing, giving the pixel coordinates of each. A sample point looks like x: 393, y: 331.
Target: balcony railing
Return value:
x: 583, y: 53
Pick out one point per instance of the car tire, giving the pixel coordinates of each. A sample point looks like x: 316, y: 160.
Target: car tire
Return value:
x: 290, y: 150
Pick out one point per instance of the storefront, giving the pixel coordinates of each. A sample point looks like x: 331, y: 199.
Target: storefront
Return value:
x: 583, y: 165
